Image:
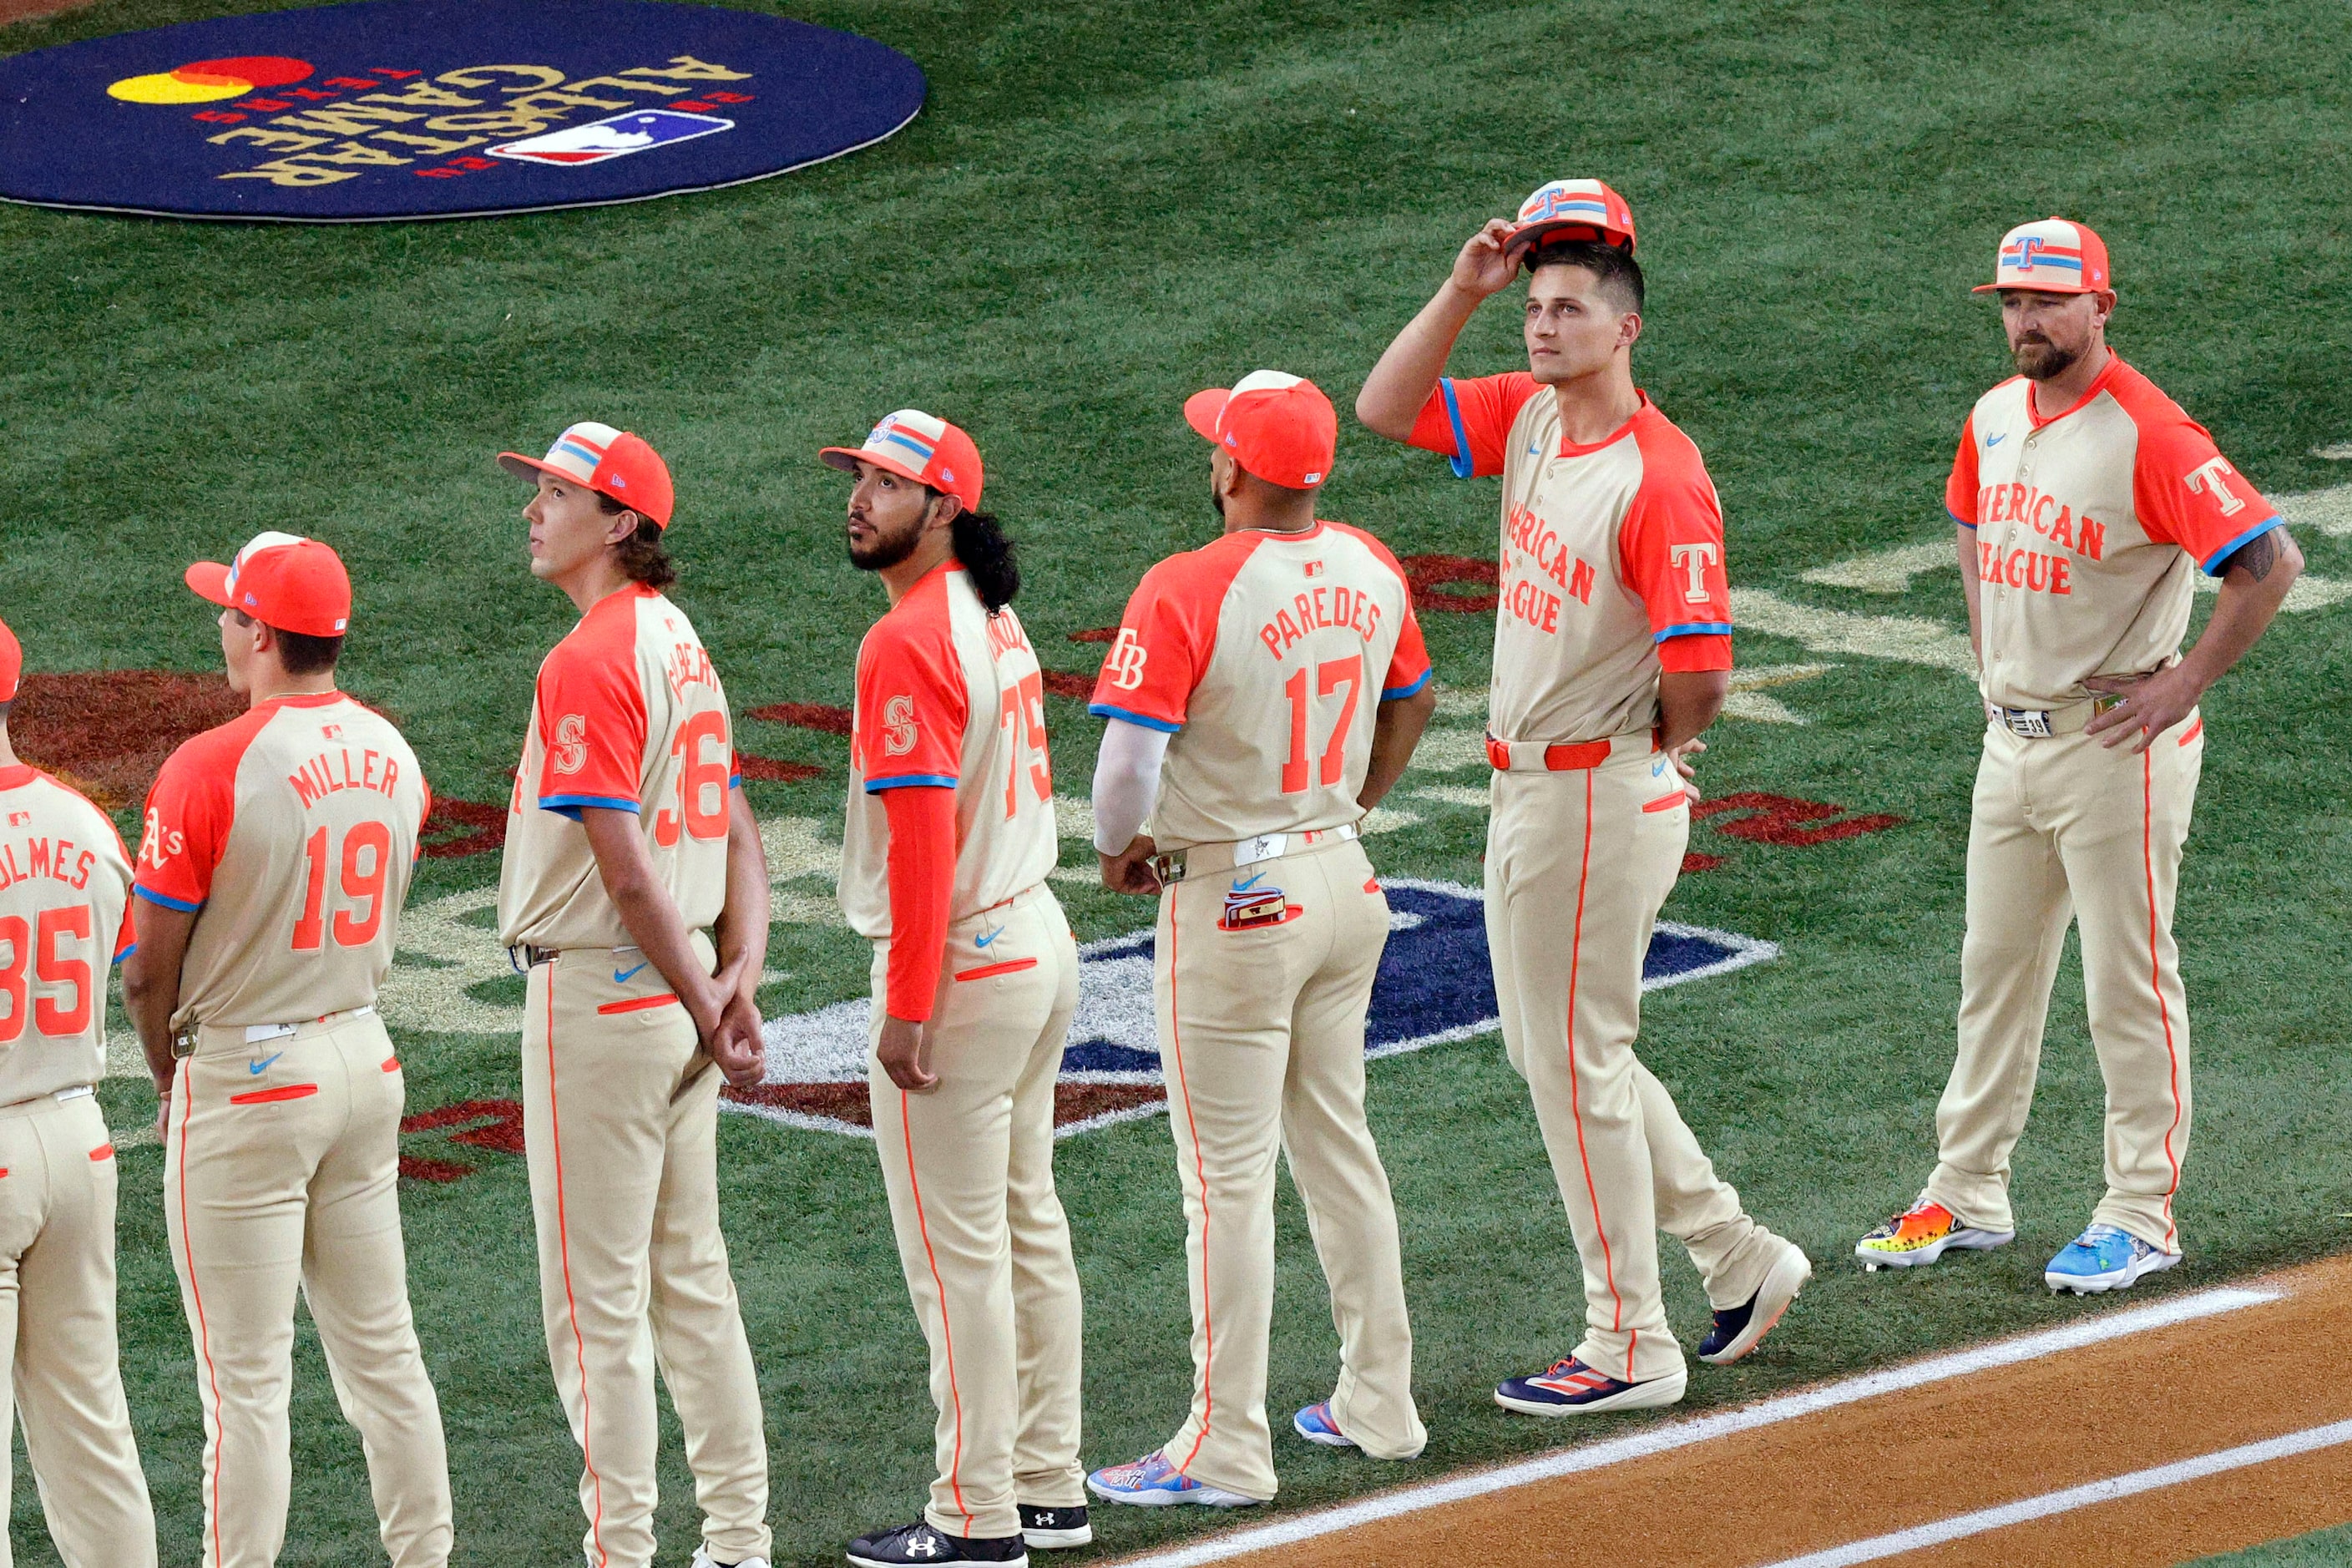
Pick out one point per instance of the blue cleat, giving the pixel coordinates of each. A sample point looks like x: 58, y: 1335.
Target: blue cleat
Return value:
x: 1315, y: 1425
x: 2104, y: 1258
x: 1570, y: 1387
x: 1152, y: 1482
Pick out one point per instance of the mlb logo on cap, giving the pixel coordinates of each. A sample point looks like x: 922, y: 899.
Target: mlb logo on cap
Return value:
x: 2052, y: 257
x: 920, y: 446
x: 611, y: 462
x: 1574, y: 209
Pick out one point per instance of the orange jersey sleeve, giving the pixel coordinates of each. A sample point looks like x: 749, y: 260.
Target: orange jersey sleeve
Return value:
x: 1469, y: 422
x: 1167, y: 637
x: 2186, y: 492
x: 190, y: 808
x: 1960, y: 489
x: 1671, y: 554
x: 911, y: 705
x: 591, y: 717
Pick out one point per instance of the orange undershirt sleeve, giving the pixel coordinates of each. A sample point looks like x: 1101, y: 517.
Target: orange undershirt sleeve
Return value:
x: 922, y: 881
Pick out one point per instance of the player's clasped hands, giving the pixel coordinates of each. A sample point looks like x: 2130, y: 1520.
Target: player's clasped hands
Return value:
x: 1130, y: 871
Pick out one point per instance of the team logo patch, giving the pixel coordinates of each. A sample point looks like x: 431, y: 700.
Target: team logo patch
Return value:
x: 401, y: 108
x: 1434, y: 987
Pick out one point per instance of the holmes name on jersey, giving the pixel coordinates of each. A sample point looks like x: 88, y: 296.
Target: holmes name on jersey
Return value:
x: 61, y: 860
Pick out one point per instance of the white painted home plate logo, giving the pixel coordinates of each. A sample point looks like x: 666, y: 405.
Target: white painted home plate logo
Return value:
x: 1434, y: 986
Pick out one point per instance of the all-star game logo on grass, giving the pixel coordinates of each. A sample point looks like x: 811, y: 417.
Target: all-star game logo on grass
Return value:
x: 407, y: 109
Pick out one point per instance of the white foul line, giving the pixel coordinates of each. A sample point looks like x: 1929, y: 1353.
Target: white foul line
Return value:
x: 1700, y: 1429
x: 1956, y: 1529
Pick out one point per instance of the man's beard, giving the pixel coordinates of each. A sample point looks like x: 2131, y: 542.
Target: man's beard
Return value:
x: 886, y: 550
x: 2039, y: 360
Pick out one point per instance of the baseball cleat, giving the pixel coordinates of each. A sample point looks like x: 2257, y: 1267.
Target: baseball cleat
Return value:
x: 1739, y: 1329
x: 702, y: 1559
x: 1152, y: 1482
x: 1315, y: 1424
x: 919, y: 1542
x: 1569, y: 1387
x: 1052, y: 1529
x: 1922, y: 1233
x: 2104, y: 1258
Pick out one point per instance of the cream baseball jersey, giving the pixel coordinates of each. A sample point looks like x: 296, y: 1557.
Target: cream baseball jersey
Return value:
x: 2088, y: 524
x: 628, y: 715
x: 1613, y: 566
x: 949, y: 696
x: 292, y: 831
x: 1266, y: 657
x: 65, y: 892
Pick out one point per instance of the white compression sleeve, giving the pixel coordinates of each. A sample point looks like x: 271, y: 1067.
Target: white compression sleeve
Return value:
x: 1127, y: 782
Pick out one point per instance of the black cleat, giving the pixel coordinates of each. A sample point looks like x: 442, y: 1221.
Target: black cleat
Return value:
x: 1052, y: 1529
x: 911, y: 1545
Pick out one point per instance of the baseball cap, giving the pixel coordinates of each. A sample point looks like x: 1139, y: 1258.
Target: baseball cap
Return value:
x: 1280, y: 428
x: 611, y: 462
x: 12, y: 663
x: 920, y: 446
x: 1573, y: 210
x: 2054, y: 256
x: 281, y: 579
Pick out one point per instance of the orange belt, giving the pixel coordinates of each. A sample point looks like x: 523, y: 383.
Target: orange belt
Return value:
x: 1533, y: 756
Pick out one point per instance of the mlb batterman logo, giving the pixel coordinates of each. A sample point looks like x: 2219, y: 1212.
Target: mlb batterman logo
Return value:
x: 1125, y: 665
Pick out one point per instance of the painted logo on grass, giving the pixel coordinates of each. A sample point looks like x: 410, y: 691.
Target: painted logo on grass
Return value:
x: 1434, y: 986
x: 404, y: 109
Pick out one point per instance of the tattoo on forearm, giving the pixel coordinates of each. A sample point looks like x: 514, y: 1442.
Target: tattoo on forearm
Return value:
x: 2255, y: 557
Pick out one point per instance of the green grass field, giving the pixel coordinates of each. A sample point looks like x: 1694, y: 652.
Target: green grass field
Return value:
x: 1104, y: 207
x: 2325, y: 1549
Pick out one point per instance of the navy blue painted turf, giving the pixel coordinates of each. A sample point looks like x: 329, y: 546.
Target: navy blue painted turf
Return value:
x: 811, y: 93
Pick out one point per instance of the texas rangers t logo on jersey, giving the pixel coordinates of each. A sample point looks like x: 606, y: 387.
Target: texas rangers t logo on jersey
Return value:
x: 2213, y: 479
x: 1695, y: 559
x: 615, y: 136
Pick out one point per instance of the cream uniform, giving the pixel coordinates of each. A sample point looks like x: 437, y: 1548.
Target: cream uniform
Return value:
x: 620, y: 1101
x: 1265, y: 656
x: 2088, y: 523
x: 952, y: 702
x: 1613, y: 571
x: 65, y: 883
x: 291, y: 832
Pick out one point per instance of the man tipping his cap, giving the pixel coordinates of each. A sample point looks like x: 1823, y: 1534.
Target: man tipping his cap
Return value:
x: 272, y: 866
x: 1264, y: 692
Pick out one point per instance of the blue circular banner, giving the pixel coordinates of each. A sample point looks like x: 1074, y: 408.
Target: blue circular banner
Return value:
x: 416, y: 109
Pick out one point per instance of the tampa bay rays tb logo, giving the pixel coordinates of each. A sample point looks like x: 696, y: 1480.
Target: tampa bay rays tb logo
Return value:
x: 1125, y: 665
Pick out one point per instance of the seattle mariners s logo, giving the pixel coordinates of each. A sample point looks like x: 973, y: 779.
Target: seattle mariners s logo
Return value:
x: 898, y: 726
x: 571, y: 744
x: 1125, y: 665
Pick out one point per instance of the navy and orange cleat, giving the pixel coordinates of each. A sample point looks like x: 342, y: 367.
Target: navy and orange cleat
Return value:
x: 1922, y: 1233
x: 1569, y: 1387
x: 1739, y: 1329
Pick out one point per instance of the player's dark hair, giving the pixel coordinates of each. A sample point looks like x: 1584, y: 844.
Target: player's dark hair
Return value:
x: 641, y: 555
x: 980, y: 545
x: 1613, y: 268
x: 300, y: 652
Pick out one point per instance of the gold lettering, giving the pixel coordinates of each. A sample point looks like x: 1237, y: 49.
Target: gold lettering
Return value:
x: 360, y: 152
x: 547, y: 100
x: 686, y: 67
x: 433, y: 144
x: 292, y: 171
x: 492, y: 124
x: 482, y: 76
x: 613, y: 82
x: 275, y: 140
x: 423, y: 95
x: 345, y: 118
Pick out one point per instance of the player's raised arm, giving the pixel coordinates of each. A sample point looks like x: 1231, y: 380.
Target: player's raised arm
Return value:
x: 1400, y: 384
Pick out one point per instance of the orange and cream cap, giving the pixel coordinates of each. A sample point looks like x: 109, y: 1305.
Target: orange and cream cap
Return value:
x: 920, y: 446
x: 1573, y: 210
x: 1276, y: 425
x: 281, y: 579
x: 611, y: 462
x: 2053, y: 256
x: 12, y: 663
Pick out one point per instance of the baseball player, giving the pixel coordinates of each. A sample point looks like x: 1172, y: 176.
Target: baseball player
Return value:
x: 1263, y: 693
x: 272, y: 865
x: 1612, y: 651
x: 949, y: 837
x: 2085, y: 499
x: 65, y: 892
x: 634, y: 895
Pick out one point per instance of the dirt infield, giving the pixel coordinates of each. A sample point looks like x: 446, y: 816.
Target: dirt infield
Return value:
x: 1920, y: 1456
x: 27, y: 10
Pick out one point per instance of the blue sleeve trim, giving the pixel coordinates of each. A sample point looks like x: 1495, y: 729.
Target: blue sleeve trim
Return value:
x: 2219, y: 561
x: 1105, y: 711
x: 570, y: 804
x: 169, y: 902
x: 1955, y: 517
x: 1696, y: 629
x: 734, y: 781
x: 913, y: 780
x: 1395, y: 693
x: 126, y: 952
x: 1464, y: 467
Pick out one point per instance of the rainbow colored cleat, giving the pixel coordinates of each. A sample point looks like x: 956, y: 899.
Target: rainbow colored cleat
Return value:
x: 1922, y: 1233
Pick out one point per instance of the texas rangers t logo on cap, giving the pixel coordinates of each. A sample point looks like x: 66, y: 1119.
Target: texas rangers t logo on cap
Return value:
x: 2052, y: 257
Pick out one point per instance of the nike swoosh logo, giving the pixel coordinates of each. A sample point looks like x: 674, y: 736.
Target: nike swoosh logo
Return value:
x: 257, y: 1069
x: 622, y: 977
x: 1246, y: 887
x: 1995, y: 440
x: 984, y: 939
